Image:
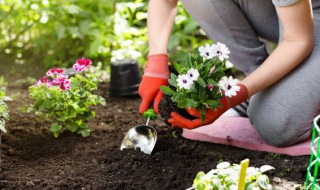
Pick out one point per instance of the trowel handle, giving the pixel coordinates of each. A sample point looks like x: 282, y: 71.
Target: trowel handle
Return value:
x: 150, y: 113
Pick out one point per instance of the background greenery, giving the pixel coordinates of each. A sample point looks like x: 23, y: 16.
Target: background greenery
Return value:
x: 57, y: 32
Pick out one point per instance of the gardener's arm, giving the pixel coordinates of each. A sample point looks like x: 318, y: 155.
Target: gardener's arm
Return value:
x: 161, y: 14
x: 296, y: 45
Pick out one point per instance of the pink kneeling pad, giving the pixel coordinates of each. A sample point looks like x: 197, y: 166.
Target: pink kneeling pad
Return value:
x: 238, y: 132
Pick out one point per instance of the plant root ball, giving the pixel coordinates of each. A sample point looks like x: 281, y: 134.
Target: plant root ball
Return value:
x: 166, y: 107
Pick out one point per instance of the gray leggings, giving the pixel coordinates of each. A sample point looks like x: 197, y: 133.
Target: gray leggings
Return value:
x: 282, y: 114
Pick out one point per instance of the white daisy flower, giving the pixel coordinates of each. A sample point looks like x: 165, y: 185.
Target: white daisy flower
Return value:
x: 193, y: 74
x: 221, y: 50
x: 184, y: 82
x: 229, y: 86
x: 207, y: 51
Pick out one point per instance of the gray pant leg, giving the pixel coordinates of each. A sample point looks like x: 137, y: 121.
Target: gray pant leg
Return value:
x: 283, y: 113
x: 232, y: 23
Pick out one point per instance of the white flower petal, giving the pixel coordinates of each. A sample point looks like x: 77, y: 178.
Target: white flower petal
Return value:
x: 223, y: 165
x: 193, y: 74
x: 265, y: 168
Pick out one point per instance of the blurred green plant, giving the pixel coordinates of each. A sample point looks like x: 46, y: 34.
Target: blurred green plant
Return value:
x: 4, y: 111
x: 53, y: 32
x: 56, y: 31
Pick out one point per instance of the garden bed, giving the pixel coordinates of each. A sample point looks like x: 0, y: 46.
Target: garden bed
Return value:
x: 33, y: 159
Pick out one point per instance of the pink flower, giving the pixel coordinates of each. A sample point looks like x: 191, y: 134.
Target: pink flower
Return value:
x: 59, y: 79
x: 65, y: 85
x: 82, y: 64
x: 53, y: 71
x: 210, y: 86
x: 43, y: 80
x: 62, y: 81
x: 49, y: 84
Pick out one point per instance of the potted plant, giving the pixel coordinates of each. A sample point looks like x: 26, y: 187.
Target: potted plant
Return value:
x: 226, y: 176
x: 198, y: 83
x: 65, y: 101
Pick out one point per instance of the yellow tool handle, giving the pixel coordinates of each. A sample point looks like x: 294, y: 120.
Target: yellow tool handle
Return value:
x: 242, y: 177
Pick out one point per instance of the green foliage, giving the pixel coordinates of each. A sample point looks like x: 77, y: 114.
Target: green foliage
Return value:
x: 185, y: 35
x: 57, y: 30
x: 4, y: 112
x: 69, y: 109
x: 199, y: 95
x: 130, y: 31
x: 3, y: 82
x: 226, y: 176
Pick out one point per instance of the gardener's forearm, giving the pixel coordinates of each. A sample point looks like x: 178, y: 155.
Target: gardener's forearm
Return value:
x: 161, y: 15
x: 297, y: 44
x: 284, y: 59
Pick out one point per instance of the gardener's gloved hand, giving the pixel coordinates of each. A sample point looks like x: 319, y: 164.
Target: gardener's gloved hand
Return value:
x: 156, y: 74
x: 211, y: 115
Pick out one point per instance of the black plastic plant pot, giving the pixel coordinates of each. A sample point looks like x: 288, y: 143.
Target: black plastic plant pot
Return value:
x: 125, y: 78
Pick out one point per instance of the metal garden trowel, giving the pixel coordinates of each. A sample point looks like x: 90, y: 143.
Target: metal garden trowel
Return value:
x: 142, y: 136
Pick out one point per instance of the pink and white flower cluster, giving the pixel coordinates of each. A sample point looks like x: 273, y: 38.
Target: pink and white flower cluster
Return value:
x: 82, y: 64
x: 58, y: 77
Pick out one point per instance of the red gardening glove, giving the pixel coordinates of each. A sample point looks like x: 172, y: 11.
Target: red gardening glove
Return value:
x: 156, y: 74
x: 211, y: 115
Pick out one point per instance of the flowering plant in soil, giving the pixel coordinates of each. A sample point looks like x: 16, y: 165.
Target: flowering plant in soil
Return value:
x: 66, y: 101
x: 4, y: 112
x: 200, y: 81
x: 226, y: 176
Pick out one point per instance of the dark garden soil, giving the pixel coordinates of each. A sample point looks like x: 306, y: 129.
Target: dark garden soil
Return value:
x: 31, y: 158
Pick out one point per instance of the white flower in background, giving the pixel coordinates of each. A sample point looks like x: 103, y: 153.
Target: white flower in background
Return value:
x: 207, y: 51
x: 229, y: 86
x: 184, y: 82
x: 193, y: 74
x: 221, y: 50
x: 223, y: 165
x: 252, y: 171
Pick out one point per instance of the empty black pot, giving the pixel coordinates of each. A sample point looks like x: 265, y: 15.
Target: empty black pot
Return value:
x: 125, y: 78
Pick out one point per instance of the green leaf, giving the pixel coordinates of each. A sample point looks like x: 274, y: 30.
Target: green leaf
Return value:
x: 84, y: 132
x: 202, y: 93
x: 210, y: 81
x: 174, y: 41
x: 190, y: 61
x: 94, y: 46
x: 201, y: 82
x: 72, y: 127
x: 173, y: 80
x: 45, y: 105
x: 167, y: 90
x: 212, y: 102
x: 191, y: 26
x: 56, y: 129
x: 177, y: 67
x: 176, y: 97
x: 191, y: 103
